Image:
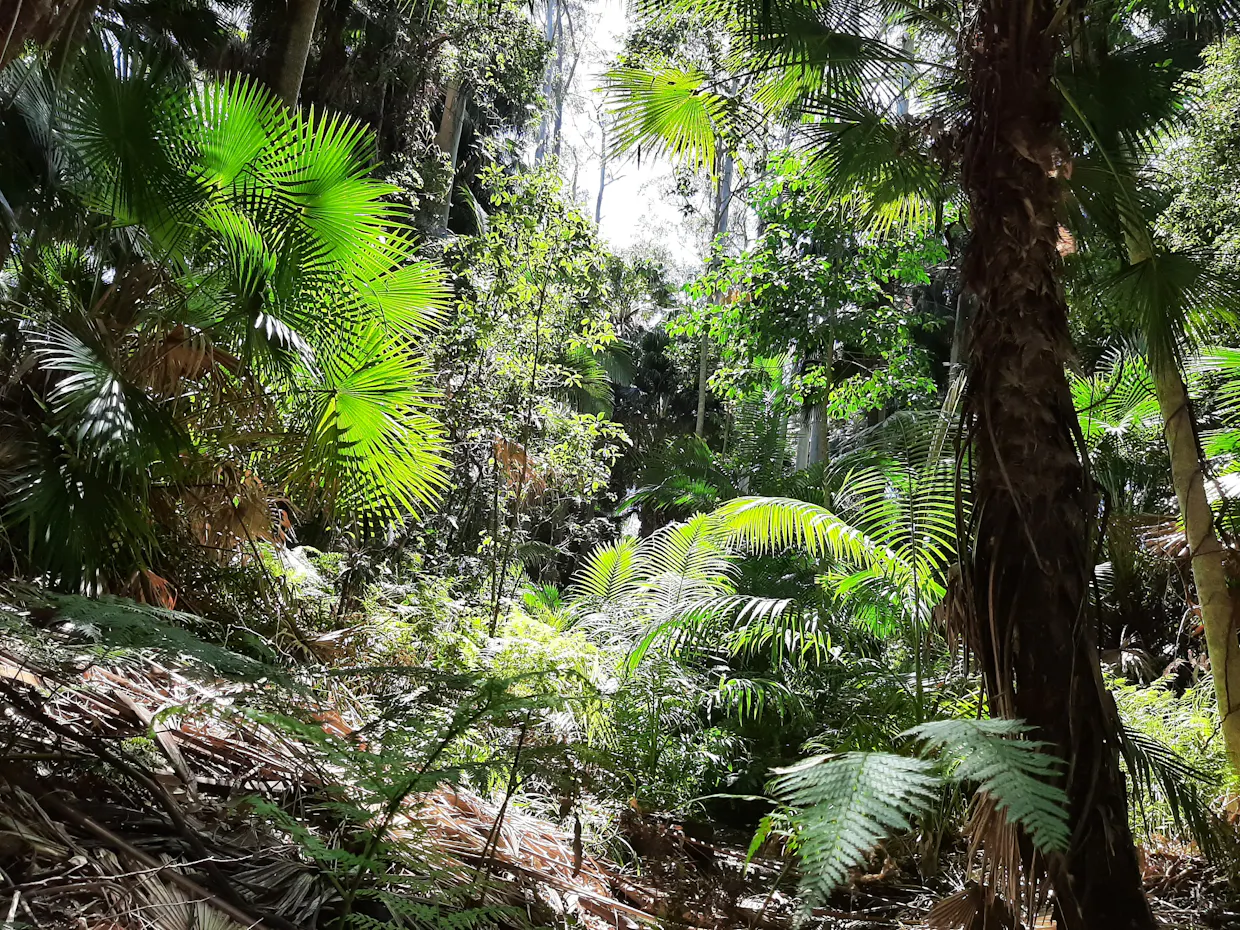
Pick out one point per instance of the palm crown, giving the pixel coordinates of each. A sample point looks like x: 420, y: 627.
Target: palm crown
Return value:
x: 233, y: 336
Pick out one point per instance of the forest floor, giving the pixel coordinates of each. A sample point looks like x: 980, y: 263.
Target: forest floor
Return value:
x: 103, y: 827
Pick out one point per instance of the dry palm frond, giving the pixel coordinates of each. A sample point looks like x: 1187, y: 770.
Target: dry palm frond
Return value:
x: 166, y: 907
x: 202, y: 741
x: 974, y: 908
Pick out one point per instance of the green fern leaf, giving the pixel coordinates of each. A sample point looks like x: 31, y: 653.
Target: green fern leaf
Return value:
x: 1014, y: 771
x: 847, y: 804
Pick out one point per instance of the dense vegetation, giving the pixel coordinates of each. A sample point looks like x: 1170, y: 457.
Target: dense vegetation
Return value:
x: 357, y: 494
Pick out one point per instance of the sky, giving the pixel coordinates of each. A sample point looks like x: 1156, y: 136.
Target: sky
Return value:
x: 638, y: 209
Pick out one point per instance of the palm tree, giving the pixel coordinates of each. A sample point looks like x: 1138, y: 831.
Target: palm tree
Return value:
x: 1030, y: 563
x: 1026, y: 577
x: 1163, y: 298
x: 232, y: 340
x: 884, y: 533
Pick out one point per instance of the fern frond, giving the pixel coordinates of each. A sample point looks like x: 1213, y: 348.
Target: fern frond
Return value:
x: 119, y: 624
x: 1012, y: 770
x: 846, y: 805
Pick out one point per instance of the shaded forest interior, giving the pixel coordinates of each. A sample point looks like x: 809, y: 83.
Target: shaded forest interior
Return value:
x: 701, y: 463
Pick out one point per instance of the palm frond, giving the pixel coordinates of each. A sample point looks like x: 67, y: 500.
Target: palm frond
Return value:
x: 608, y: 576
x: 670, y: 111
x: 1157, y: 771
x: 773, y: 524
x: 1172, y: 298
x: 371, y: 450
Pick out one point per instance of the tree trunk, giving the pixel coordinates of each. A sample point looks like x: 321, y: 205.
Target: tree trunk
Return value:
x: 296, y: 34
x: 323, y: 84
x: 602, y: 173
x: 544, y: 126
x: 449, y: 139
x: 966, y: 307
x: 1219, y: 607
x: 1031, y: 561
x: 723, y: 210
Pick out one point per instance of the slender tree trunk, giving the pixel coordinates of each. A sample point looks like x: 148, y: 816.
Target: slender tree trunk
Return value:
x: 563, y: 82
x: 602, y: 173
x: 966, y: 307
x: 544, y: 126
x: 449, y: 139
x: 1219, y: 607
x: 333, y: 55
x: 296, y: 34
x: 1031, y: 561
x: 703, y: 375
x: 723, y: 210
x: 1212, y: 574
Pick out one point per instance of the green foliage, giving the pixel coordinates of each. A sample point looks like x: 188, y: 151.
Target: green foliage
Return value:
x: 1205, y: 211
x: 118, y: 629
x: 1172, y: 753
x: 847, y: 804
x: 243, y: 287
x: 672, y: 111
x: 844, y: 804
x: 1015, y: 772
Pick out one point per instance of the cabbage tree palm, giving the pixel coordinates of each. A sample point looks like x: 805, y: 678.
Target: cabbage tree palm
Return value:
x: 220, y: 313
x: 883, y: 536
x: 1000, y: 119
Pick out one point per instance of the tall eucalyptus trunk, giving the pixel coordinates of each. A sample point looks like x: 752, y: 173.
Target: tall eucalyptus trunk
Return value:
x: 723, y: 210
x: 1031, y: 558
x: 550, y: 33
x: 602, y: 171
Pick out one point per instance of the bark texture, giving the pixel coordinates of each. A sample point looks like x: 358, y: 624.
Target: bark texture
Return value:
x: 723, y: 213
x: 448, y: 138
x: 296, y: 34
x: 1220, y: 608
x: 1031, y: 559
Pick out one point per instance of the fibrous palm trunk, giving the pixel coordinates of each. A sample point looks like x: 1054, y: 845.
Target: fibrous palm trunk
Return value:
x: 1031, y: 558
x: 1220, y: 608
